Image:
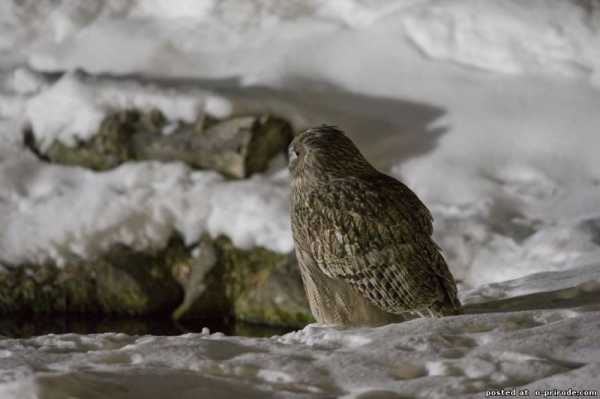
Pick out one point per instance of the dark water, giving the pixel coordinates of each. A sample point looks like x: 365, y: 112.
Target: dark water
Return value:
x: 24, y: 327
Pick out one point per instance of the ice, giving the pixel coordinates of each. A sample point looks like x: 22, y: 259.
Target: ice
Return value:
x: 534, y: 283
x: 323, y: 336
x: 274, y: 376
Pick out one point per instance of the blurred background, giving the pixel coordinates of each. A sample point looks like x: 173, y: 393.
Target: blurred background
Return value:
x: 143, y: 149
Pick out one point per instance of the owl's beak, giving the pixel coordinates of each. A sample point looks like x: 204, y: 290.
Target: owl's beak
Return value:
x: 292, y: 155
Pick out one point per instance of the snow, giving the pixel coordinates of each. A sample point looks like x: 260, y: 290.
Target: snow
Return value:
x: 165, y: 9
x: 545, y: 281
x: 561, y: 38
x: 488, y: 110
x: 79, y: 107
x: 159, y: 38
x: 460, y: 356
x: 523, y: 192
x: 519, y: 188
x: 73, y: 113
x: 25, y: 81
x: 138, y: 204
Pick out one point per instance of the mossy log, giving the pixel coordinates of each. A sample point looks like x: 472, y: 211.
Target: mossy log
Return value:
x: 236, y: 147
x: 123, y: 282
x: 256, y: 285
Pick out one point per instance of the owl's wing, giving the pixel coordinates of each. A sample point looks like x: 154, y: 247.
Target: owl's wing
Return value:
x: 376, y: 235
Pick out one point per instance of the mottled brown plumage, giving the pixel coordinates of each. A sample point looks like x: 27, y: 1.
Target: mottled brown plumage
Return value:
x: 363, y: 239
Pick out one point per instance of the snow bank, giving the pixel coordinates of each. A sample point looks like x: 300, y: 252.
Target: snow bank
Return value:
x: 551, y: 37
x: 534, y: 283
x: 66, y: 109
x: 519, y: 189
x: 55, y: 212
x: 557, y: 38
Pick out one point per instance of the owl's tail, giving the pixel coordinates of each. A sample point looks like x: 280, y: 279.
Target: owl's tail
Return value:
x: 448, y: 306
x: 441, y: 310
x: 447, y: 303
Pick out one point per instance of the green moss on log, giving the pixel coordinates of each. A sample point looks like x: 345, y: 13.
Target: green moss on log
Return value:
x: 112, y: 144
x: 255, y: 285
x: 263, y: 286
x: 122, y: 282
x: 236, y: 147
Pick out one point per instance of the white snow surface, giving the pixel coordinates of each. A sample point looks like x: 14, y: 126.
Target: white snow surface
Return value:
x: 461, y: 356
x: 59, y: 212
x: 229, y: 38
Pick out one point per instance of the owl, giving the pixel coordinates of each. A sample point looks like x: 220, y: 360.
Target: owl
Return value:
x: 362, y: 238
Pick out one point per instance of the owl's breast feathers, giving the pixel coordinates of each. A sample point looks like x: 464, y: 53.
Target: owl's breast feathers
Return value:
x: 375, y: 234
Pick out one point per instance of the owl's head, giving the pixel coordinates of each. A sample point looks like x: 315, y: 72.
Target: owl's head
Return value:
x: 325, y: 152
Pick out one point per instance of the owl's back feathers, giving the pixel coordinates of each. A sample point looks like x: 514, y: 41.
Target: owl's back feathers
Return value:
x: 363, y: 238
x: 375, y: 235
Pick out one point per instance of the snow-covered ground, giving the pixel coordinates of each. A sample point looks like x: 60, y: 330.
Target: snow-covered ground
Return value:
x: 462, y: 356
x: 488, y: 110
